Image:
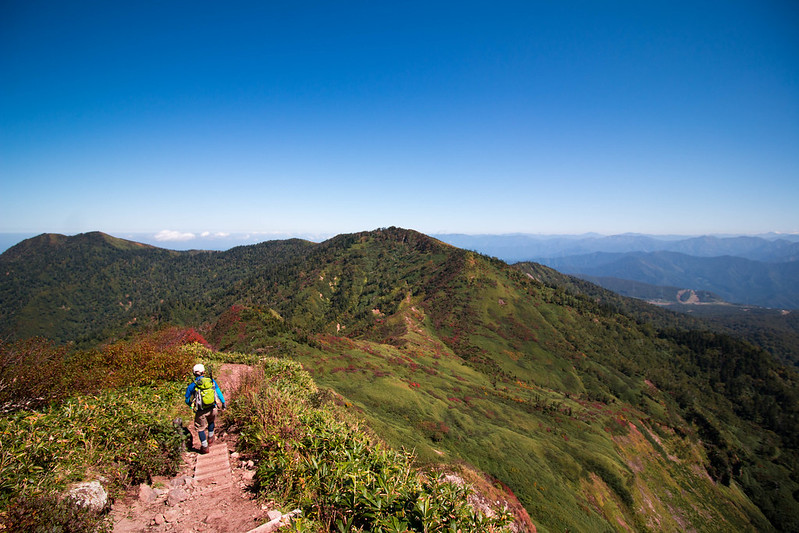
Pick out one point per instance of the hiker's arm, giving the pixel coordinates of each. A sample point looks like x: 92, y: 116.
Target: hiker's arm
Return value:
x: 189, y: 391
x: 219, y: 394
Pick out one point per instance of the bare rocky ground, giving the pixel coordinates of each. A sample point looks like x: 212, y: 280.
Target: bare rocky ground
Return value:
x: 211, y: 493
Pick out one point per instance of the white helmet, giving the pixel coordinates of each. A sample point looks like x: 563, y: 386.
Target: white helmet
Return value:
x: 199, y: 368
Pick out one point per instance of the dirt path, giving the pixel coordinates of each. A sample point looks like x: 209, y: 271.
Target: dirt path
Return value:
x: 209, y: 494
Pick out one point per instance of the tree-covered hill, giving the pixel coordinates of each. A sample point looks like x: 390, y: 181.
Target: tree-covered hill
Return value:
x: 598, y: 412
x: 91, y: 285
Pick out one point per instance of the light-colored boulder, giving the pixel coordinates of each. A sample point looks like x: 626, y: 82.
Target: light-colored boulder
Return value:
x: 90, y: 494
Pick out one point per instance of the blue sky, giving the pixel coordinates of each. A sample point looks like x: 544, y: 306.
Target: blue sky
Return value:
x: 329, y: 117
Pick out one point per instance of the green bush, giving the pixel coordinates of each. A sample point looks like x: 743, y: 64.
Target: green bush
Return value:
x: 123, y: 434
x: 608, y: 474
x: 48, y: 513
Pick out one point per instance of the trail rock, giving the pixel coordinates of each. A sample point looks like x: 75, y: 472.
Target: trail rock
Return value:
x: 269, y: 527
x: 90, y: 494
x: 176, y: 496
x: 276, y: 523
x: 147, y: 494
x: 181, y: 481
x: 173, y: 515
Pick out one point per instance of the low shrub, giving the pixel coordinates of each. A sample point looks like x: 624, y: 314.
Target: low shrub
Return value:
x: 52, y: 514
x: 73, y: 416
x: 35, y: 371
x: 31, y: 372
x: 122, y: 434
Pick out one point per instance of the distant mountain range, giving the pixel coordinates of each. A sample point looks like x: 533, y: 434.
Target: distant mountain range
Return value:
x: 756, y: 271
x: 735, y: 279
x: 525, y: 247
x: 760, y: 270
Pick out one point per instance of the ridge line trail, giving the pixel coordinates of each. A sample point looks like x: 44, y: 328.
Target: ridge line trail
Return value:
x: 210, y: 492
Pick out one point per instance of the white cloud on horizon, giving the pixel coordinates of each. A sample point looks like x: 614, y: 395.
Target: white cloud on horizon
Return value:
x: 210, y: 237
x: 171, y: 235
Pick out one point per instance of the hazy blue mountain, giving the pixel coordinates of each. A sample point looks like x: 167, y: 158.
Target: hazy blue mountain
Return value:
x: 735, y: 279
x: 526, y: 247
x: 755, y: 248
x: 659, y: 294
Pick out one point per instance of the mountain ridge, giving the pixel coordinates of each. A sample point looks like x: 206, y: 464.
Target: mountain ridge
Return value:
x: 56, y: 239
x: 577, y: 406
x: 716, y: 263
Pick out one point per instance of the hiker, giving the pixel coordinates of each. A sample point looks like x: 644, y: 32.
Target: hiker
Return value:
x: 204, y: 396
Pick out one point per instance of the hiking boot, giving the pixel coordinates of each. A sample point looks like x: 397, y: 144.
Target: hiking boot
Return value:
x: 211, y: 440
x: 204, y: 449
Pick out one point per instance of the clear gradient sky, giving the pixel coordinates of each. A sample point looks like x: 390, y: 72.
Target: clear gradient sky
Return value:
x: 329, y: 117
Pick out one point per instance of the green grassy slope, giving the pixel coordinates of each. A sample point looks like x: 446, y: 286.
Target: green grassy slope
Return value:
x: 546, y: 390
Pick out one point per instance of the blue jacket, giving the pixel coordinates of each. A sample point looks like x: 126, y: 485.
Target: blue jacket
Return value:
x: 193, y: 385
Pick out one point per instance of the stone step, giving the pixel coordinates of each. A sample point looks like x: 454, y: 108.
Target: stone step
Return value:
x: 213, y: 468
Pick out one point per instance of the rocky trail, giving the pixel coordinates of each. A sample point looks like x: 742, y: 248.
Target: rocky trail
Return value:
x: 211, y: 493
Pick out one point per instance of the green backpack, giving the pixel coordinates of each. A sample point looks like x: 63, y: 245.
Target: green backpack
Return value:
x: 204, y: 393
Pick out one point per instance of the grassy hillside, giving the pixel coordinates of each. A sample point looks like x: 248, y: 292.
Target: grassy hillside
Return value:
x: 598, y: 412
x: 466, y: 359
